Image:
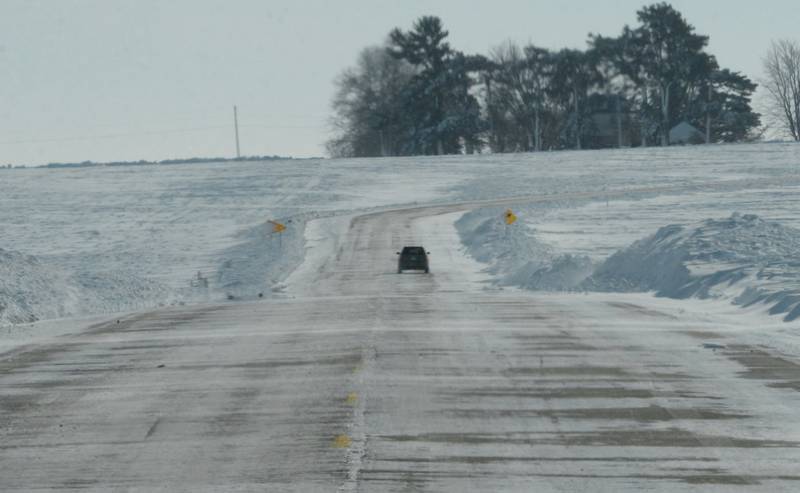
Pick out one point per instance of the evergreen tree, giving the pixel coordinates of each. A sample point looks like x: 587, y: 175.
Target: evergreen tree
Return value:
x: 663, y: 61
x: 417, y: 95
x: 721, y: 106
x: 671, y: 58
x: 463, y: 125
x: 425, y: 47
x: 446, y: 116
x: 575, y: 73
x: 624, y: 76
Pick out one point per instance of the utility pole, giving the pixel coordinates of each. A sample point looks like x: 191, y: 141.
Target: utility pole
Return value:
x: 708, y: 115
x: 236, y: 129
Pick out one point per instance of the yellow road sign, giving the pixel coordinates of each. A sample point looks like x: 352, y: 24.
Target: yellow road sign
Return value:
x: 277, y: 227
x: 510, y: 217
x: 342, y: 441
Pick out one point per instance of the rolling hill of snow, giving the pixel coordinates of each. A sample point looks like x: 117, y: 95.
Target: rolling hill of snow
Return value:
x: 100, y: 240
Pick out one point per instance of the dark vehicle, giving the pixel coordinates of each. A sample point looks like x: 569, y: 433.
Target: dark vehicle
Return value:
x: 413, y: 258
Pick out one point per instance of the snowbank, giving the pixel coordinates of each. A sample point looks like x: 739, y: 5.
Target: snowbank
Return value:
x: 743, y: 258
x: 32, y: 288
x: 262, y: 259
x: 516, y: 257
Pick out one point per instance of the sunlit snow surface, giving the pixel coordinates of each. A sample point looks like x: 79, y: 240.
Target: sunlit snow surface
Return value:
x: 97, y: 240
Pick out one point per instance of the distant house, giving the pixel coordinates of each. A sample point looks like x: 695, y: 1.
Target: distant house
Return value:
x: 685, y: 133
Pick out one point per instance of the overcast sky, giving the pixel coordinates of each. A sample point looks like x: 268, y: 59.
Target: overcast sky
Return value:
x: 109, y: 80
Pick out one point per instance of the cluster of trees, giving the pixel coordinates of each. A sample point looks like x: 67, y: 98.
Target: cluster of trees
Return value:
x: 417, y: 95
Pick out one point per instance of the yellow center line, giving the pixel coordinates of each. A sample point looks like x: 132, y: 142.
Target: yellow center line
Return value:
x: 342, y: 441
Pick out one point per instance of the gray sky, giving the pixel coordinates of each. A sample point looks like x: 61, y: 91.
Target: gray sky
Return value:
x: 154, y: 79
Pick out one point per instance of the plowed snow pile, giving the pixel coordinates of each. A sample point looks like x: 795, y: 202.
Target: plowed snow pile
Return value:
x: 516, y: 257
x: 743, y: 258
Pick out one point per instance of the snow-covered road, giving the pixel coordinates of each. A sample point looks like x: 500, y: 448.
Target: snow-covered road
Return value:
x: 364, y: 380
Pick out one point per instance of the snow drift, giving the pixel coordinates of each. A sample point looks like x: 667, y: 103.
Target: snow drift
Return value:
x: 263, y: 258
x: 516, y: 257
x: 743, y: 258
x: 34, y: 289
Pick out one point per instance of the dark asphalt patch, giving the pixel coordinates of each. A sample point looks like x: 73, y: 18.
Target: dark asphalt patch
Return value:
x: 761, y: 365
x: 641, y: 414
x: 672, y: 437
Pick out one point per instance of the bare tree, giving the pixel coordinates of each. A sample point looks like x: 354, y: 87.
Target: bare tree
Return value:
x: 367, y: 106
x: 782, y: 82
x: 522, y: 78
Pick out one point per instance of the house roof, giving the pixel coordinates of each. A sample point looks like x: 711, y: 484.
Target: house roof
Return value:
x: 684, y: 132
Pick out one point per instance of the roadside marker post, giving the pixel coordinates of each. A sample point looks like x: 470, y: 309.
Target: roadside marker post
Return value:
x: 278, y: 228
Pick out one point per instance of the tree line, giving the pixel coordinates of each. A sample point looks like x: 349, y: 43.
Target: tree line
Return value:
x: 417, y: 95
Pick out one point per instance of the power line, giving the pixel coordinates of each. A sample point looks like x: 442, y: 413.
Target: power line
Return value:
x: 236, y: 127
x: 113, y: 136
x: 153, y: 132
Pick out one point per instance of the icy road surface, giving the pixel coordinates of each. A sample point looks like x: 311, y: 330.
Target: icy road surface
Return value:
x: 365, y: 380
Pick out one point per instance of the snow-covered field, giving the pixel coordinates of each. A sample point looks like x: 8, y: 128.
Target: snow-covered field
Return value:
x: 94, y: 240
x: 82, y: 242
x: 734, y: 239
